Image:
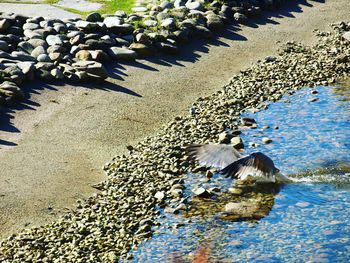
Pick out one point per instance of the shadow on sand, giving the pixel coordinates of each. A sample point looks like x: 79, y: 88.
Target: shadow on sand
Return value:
x: 191, y: 53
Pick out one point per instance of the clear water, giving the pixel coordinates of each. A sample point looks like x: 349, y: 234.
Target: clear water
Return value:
x: 310, y: 220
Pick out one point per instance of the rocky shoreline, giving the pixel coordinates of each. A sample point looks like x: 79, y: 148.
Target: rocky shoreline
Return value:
x: 107, y: 225
x: 76, y: 50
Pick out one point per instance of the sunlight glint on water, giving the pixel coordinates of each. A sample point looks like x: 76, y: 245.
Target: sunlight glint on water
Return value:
x: 309, y: 221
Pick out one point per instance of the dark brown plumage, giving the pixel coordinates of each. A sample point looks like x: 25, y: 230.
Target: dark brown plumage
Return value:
x: 232, y: 164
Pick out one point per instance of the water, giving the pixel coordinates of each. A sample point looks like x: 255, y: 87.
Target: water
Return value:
x: 309, y: 221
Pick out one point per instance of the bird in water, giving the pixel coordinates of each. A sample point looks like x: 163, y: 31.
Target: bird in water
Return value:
x: 255, y: 167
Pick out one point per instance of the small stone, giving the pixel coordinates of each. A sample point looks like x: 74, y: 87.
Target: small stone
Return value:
x: 312, y: 100
x: 159, y: 196
x: 201, y: 192
x: 236, y: 191
x: 209, y: 174
x: 237, y: 142
x: 199, y: 168
x: 225, y: 137
x: 150, y: 23
x: 248, y: 122
x: 120, y: 13
x: 266, y: 140
x: 139, y: 9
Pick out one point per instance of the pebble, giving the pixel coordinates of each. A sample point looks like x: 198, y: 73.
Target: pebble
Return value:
x: 266, y: 140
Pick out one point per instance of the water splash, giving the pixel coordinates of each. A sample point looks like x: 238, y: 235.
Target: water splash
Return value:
x: 309, y: 221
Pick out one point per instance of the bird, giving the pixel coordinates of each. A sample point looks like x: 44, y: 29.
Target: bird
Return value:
x: 256, y: 167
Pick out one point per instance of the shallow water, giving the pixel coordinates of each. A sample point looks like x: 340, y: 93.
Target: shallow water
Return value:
x: 309, y: 221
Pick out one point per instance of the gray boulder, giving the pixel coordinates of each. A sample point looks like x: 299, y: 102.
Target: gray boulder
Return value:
x: 54, y: 40
x: 94, y: 70
x: 194, y: 5
x: 215, y: 22
x: 112, y: 21
x: 38, y: 51
x: 11, y: 90
x: 4, y: 46
x: 94, y: 17
x: 240, y: 18
x: 122, y: 53
x: 43, y: 58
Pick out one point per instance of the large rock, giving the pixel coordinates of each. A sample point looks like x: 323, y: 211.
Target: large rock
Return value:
x: 57, y: 73
x: 38, y: 51
x: 25, y: 46
x: 240, y: 18
x: 243, y: 209
x: 346, y: 35
x: 30, y: 26
x: 88, y: 26
x: 141, y: 50
x: 54, y: 40
x: 27, y: 69
x: 99, y: 55
x: 11, y: 90
x: 83, y: 55
x: 179, y: 3
x: 167, y: 48
x: 93, y: 69
x: 194, y: 5
x: 4, y: 25
x: 112, y: 21
x: 94, y: 17
x: 122, y: 53
x: 4, y: 46
x: 215, y: 23
x: 20, y: 55
x: 124, y: 29
x: 202, y: 32
x: 237, y: 142
x: 37, y: 42
x: 168, y: 23
x: 43, y: 58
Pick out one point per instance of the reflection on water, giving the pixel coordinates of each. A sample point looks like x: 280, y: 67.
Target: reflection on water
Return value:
x: 309, y: 220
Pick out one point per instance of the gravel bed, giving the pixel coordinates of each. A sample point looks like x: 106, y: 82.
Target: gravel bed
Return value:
x: 108, y: 224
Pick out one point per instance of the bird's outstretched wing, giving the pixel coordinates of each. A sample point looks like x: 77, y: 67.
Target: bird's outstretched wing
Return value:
x: 256, y: 164
x: 215, y: 155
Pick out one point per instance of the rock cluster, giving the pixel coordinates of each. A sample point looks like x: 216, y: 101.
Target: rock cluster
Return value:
x: 107, y: 225
x: 35, y: 47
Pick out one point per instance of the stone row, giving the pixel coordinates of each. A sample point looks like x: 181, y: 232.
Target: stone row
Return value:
x: 125, y: 212
x: 76, y: 49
